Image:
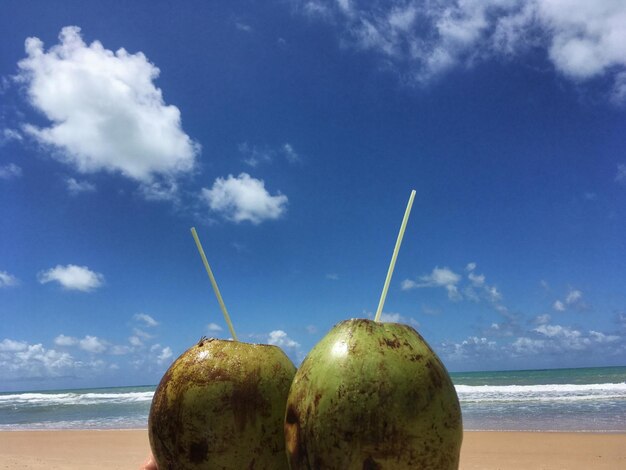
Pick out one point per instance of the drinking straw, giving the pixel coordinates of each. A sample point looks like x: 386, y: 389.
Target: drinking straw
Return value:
x: 392, y: 265
x: 213, y: 283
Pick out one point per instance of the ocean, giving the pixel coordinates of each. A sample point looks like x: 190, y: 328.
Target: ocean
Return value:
x: 589, y: 399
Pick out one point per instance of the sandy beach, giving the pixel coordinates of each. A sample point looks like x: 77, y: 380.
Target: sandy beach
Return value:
x: 481, y: 450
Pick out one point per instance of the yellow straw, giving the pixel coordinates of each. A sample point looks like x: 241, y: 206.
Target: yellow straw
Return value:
x: 392, y: 265
x: 213, y: 283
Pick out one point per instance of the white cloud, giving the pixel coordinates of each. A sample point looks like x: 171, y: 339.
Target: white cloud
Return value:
x: 526, y: 346
x: 473, y: 347
x: 146, y: 319
x: 573, y: 296
x: 542, y: 319
x: 10, y: 171
x: 478, y: 280
x: 290, y: 154
x: 63, y: 340
x: 9, y: 345
x: 458, y: 288
x: 439, y: 277
x: 135, y: 341
x: 214, y: 327
x: 76, y: 187
x: 243, y: 27
x: 164, y: 189
x: 397, y: 318
x: 244, y: 198
x: 599, y: 337
x: 280, y: 338
x: 253, y: 156
x: 120, y: 350
x: 8, y: 280
x: 142, y: 334
x: 9, y: 135
x: 332, y: 276
x: 93, y: 344
x: 165, y: 355
x: 72, y: 277
x: 582, y: 39
x: 105, y: 111
x: 552, y: 331
x: 572, y: 299
x: 35, y: 361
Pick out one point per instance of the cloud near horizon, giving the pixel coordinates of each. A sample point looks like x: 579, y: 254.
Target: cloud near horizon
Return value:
x: 105, y: 112
x: 582, y: 40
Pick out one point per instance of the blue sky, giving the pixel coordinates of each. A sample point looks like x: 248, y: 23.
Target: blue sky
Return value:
x: 290, y: 133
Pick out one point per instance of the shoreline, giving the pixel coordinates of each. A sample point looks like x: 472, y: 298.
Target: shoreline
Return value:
x: 482, y: 450
x: 470, y: 431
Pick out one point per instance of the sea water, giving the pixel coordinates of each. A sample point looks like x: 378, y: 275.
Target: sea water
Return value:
x: 591, y: 399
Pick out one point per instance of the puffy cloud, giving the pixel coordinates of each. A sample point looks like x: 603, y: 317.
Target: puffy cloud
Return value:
x: 583, y: 40
x: 572, y: 299
x: 552, y: 331
x: 161, y: 354
x: 72, y: 277
x: 76, y: 187
x: 244, y: 198
x: 105, y: 111
x: 10, y: 171
x: 93, y: 344
x: 8, y: 280
x: 63, y: 340
x: 146, y: 319
x: 439, y: 277
x: 473, y: 347
x: 165, y: 355
x: 280, y: 338
x: 9, y: 345
x: 476, y: 290
x: 34, y: 361
x: 600, y: 337
x: 478, y: 280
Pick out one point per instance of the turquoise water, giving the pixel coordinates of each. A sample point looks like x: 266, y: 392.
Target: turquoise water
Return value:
x: 588, y: 399
x: 591, y: 399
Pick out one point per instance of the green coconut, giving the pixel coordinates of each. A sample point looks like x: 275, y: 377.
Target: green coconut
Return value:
x: 221, y: 405
x: 373, y: 395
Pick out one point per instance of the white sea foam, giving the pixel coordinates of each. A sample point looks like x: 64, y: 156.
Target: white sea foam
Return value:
x: 34, y: 399
x: 547, y: 392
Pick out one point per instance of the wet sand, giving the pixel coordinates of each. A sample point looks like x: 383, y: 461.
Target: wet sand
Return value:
x: 73, y: 450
